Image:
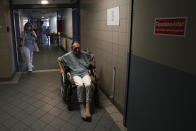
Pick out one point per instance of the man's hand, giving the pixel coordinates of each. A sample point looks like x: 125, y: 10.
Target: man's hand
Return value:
x: 60, y: 67
x: 62, y: 71
x: 93, y: 63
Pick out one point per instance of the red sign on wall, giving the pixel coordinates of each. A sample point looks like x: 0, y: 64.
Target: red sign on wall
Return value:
x: 170, y: 26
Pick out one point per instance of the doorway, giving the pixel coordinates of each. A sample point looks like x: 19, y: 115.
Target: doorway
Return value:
x: 55, y: 33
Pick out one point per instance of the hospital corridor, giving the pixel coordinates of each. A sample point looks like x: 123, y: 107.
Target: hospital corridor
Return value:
x: 97, y: 65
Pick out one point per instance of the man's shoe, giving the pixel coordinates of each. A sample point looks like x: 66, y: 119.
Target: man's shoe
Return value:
x: 82, y: 111
x: 89, y: 119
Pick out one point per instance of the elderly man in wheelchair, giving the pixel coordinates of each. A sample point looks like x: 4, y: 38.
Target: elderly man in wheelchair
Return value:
x: 78, y: 63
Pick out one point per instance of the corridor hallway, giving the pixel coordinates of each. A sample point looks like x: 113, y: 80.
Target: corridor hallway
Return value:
x: 46, y: 58
x: 34, y: 102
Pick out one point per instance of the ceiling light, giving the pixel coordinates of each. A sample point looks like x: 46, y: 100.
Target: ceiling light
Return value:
x: 44, y: 2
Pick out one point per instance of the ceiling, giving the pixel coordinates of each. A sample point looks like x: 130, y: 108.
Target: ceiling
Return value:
x: 34, y: 9
x: 39, y: 13
x: 39, y: 1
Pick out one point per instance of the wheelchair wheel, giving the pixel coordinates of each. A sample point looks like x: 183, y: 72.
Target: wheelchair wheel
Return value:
x: 63, y: 91
x: 66, y: 92
x: 95, y: 95
x: 68, y: 97
x: 95, y: 98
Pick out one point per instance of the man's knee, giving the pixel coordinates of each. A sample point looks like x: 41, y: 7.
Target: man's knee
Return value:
x: 80, y: 85
x: 78, y: 80
x: 87, y: 80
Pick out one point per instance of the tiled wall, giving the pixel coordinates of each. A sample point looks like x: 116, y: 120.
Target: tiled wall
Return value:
x: 110, y: 44
x: 6, y: 45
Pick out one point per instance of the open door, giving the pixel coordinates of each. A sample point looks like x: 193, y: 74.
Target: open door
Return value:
x: 16, y: 36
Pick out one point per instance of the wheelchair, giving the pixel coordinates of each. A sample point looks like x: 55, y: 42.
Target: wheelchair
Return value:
x: 68, y: 88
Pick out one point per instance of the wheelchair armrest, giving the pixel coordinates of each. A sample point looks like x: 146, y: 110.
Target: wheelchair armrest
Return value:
x: 92, y: 70
x: 93, y: 79
x: 63, y: 78
x: 92, y: 73
x: 67, y: 75
x: 91, y: 67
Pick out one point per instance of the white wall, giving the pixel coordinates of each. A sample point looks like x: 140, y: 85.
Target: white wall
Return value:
x: 67, y: 17
x: 7, y: 65
x: 53, y: 23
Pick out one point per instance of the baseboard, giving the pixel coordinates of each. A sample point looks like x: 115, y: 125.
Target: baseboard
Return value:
x: 14, y: 79
x: 8, y: 78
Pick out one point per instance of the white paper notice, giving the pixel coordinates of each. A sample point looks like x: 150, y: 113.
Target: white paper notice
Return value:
x: 113, y: 16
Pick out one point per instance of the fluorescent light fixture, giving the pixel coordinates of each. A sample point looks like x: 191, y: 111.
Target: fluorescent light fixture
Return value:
x: 42, y: 16
x: 44, y: 2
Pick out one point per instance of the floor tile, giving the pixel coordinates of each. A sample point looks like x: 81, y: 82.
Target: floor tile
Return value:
x: 19, y: 126
x: 88, y: 126
x: 49, y: 128
x: 68, y: 127
x: 47, y: 118
x: 3, y: 128
x: 10, y: 122
x: 101, y: 128
x: 21, y: 115
x: 57, y: 123
x: 4, y: 116
x: 38, y: 125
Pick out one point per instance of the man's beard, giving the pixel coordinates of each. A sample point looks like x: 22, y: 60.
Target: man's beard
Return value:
x: 77, y: 54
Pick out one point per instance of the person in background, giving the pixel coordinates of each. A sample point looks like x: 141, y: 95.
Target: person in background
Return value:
x: 27, y: 42
x: 48, y: 31
x: 40, y: 32
x: 79, y: 62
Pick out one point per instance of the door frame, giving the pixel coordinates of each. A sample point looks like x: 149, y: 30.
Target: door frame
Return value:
x: 128, y: 75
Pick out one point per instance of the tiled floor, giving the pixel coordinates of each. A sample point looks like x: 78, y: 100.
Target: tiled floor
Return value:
x: 35, y: 104
x: 112, y: 111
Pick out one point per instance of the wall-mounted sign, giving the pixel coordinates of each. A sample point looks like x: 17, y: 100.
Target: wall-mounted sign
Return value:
x: 170, y: 26
x: 113, y: 16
